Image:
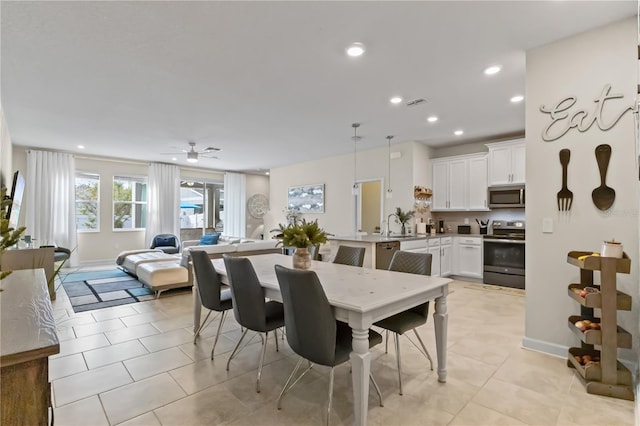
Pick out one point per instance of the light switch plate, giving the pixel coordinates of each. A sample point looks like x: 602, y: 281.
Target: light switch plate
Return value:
x: 547, y: 225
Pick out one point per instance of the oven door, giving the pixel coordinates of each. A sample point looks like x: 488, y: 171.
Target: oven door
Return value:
x: 504, y: 262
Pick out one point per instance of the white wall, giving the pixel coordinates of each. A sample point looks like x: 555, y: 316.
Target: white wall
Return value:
x: 336, y: 173
x: 578, y: 66
x: 6, y: 156
x: 256, y: 184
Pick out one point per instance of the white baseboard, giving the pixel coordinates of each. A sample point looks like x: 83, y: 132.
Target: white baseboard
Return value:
x: 546, y: 347
x: 562, y: 351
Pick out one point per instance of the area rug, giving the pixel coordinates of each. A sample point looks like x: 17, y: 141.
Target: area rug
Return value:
x: 98, y: 293
x: 92, y: 275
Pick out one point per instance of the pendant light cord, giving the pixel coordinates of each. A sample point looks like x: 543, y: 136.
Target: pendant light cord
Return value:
x: 389, y: 163
x: 355, y: 142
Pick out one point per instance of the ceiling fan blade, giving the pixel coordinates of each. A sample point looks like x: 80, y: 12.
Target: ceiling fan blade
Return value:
x: 210, y: 149
x: 209, y: 156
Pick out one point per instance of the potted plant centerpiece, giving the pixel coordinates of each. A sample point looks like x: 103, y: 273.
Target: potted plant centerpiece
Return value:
x: 302, y: 235
x: 403, y: 218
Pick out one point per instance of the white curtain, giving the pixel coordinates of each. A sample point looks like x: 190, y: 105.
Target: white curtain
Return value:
x: 163, y: 201
x: 235, y: 195
x: 50, y: 196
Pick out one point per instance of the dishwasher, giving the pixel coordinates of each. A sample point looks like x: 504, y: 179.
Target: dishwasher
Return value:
x: 384, y: 253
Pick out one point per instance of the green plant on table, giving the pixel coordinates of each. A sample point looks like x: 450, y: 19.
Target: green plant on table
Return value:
x: 9, y: 235
x: 302, y: 234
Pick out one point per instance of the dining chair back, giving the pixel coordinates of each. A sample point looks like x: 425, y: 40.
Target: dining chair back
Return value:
x: 250, y: 308
x: 212, y: 296
x: 312, y: 330
x: 346, y: 255
x: 411, y: 263
x: 309, y: 321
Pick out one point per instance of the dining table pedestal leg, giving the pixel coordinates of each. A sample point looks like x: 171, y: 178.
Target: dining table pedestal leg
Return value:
x: 360, y: 364
x: 440, y: 319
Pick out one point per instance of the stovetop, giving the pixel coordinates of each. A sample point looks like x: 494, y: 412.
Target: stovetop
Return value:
x: 508, y: 230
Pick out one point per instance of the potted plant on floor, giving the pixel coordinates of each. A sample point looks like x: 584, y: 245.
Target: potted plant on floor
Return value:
x: 302, y: 235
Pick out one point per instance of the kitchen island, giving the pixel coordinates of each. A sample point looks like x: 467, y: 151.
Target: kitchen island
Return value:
x: 453, y: 254
x: 378, y: 248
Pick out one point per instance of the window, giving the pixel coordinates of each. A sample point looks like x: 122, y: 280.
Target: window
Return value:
x: 87, y: 202
x: 129, y: 202
x: 200, y: 205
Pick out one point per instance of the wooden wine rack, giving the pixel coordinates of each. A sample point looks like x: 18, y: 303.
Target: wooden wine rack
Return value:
x: 607, y: 377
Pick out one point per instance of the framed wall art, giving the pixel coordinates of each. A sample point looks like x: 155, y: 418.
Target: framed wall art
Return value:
x: 306, y: 198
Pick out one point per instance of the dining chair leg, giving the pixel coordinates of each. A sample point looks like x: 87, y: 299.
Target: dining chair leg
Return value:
x: 386, y: 342
x: 215, y: 342
x: 195, y: 337
x: 375, y: 385
x: 426, y: 352
x: 236, y: 348
x: 397, y: 338
x: 262, y: 351
x: 275, y: 333
x: 330, y: 394
x: 288, y: 387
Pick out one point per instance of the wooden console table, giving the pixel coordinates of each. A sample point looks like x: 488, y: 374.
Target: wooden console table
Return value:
x: 27, y: 338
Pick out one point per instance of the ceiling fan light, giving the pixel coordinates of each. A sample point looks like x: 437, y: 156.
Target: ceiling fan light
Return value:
x: 192, y: 157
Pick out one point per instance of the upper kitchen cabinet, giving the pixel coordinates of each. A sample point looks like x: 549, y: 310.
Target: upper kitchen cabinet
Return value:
x: 506, y: 162
x: 460, y: 183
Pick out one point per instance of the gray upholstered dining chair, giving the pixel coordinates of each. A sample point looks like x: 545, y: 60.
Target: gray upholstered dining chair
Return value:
x: 210, y: 290
x: 346, y: 255
x: 412, y: 263
x: 249, y: 306
x: 311, y: 328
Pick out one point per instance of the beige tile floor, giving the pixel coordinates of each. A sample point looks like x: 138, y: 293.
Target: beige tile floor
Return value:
x: 137, y: 365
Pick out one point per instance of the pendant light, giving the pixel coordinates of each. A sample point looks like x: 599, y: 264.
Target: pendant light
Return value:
x: 355, y: 189
x: 389, y: 190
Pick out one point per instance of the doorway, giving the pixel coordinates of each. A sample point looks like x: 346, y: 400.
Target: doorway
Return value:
x: 368, y: 206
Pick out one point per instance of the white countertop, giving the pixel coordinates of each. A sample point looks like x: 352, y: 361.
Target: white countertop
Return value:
x: 383, y: 239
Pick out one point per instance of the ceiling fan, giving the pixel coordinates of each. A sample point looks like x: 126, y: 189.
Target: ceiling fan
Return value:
x: 193, y: 154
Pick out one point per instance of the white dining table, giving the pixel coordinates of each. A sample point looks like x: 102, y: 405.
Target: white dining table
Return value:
x: 359, y: 297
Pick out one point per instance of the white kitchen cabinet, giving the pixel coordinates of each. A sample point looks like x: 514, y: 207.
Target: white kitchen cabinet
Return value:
x: 477, y: 190
x: 446, y: 258
x: 441, y: 249
x: 460, y: 183
x: 507, y: 162
x: 468, y: 256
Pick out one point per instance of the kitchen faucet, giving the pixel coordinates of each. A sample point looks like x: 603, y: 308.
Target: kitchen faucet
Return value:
x: 388, y: 228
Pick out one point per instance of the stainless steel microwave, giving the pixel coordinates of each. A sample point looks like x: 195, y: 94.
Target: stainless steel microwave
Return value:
x: 506, y: 196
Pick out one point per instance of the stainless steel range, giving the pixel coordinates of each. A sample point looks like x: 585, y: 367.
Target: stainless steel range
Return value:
x: 504, y: 254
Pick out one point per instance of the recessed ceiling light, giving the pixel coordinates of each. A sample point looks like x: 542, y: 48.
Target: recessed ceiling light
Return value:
x: 458, y: 132
x: 266, y: 173
x: 432, y: 119
x: 174, y: 159
x: 395, y: 100
x: 355, y: 49
x: 517, y: 98
x: 494, y: 69
x: 80, y: 146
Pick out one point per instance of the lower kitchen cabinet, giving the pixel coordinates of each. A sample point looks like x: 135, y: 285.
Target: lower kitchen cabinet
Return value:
x: 468, y: 257
x: 441, y: 250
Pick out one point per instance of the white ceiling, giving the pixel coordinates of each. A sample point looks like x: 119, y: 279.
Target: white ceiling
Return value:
x: 269, y: 82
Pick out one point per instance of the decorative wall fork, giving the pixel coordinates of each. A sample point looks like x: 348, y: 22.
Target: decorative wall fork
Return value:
x: 565, y: 197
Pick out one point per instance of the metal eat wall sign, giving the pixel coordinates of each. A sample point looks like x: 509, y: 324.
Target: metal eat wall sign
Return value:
x: 563, y: 119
